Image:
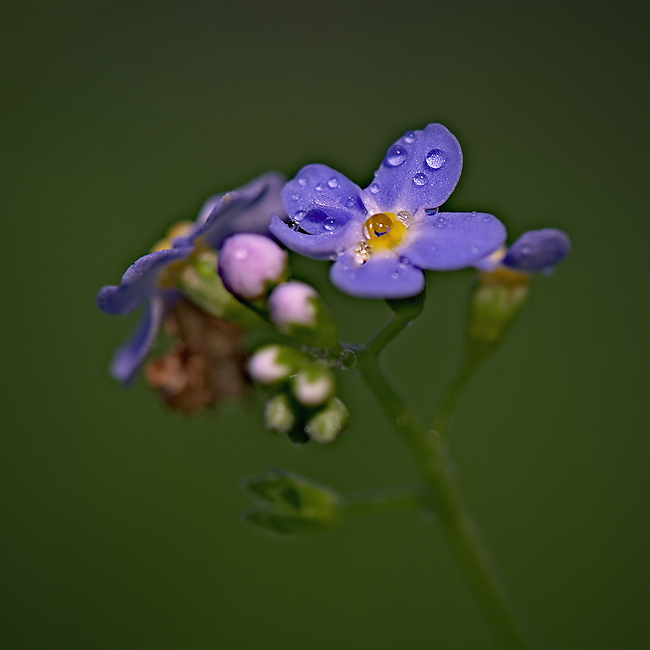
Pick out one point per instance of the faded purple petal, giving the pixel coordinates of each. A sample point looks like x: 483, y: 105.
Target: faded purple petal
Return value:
x: 420, y: 170
x: 128, y: 358
x: 452, y: 240
x: 246, y: 209
x: 140, y: 282
x: 319, y: 247
x: 383, y: 276
x: 538, y: 250
x: 320, y: 185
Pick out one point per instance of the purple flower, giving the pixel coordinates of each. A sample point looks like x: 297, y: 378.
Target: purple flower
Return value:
x: 382, y: 238
x: 147, y: 281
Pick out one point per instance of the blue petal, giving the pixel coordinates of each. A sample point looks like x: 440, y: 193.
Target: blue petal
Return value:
x: 323, y: 186
x: 140, y: 282
x: 420, y: 169
x: 246, y: 209
x: 538, y: 250
x: 324, y: 246
x: 129, y: 357
x: 452, y: 240
x: 382, y: 276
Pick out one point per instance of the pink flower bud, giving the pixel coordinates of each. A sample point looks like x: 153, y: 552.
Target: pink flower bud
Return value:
x: 249, y: 262
x: 292, y: 303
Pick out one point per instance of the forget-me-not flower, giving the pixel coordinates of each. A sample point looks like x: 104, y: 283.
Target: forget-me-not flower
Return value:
x: 382, y: 238
x: 149, y: 280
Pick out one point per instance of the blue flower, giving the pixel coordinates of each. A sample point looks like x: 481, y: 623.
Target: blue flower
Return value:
x: 382, y: 238
x: 148, y: 280
x: 536, y: 251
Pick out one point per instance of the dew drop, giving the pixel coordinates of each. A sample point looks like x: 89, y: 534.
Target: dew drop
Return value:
x: 487, y: 219
x: 302, y: 182
x: 333, y: 182
x: 293, y: 225
x: 435, y: 159
x: 404, y: 261
x: 329, y: 224
x: 320, y: 187
x: 350, y: 202
x: 374, y: 188
x: 395, y: 155
x: 294, y: 197
x: 420, y: 179
x: 409, y: 137
x: 298, y: 215
x: 474, y: 250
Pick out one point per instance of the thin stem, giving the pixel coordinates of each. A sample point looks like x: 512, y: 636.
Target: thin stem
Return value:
x: 450, y: 398
x: 429, y: 451
x: 384, y: 500
x: 394, y: 326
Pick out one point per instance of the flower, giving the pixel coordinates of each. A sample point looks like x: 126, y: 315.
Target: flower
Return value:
x: 382, y: 238
x: 149, y: 280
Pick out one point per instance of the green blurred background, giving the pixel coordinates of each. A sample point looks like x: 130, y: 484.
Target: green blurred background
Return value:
x: 120, y: 519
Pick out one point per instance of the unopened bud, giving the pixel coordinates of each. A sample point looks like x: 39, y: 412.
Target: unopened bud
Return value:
x: 278, y: 415
x: 273, y: 363
x: 328, y: 422
x: 292, y: 303
x: 250, y: 263
x: 313, y: 385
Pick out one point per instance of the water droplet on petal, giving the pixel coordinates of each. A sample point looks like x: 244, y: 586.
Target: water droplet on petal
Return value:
x: 525, y: 250
x: 431, y: 212
x: 374, y: 188
x: 333, y: 182
x: 329, y: 224
x: 420, y: 179
x: 298, y: 215
x: 487, y: 219
x: 320, y: 187
x: 350, y: 202
x: 302, y: 182
x: 293, y: 225
x: 435, y: 159
x: 404, y: 261
x: 395, y: 155
x: 409, y: 137
x: 294, y: 197
x: 474, y: 250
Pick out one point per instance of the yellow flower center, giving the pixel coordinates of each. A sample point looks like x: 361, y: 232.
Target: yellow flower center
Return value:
x: 386, y: 230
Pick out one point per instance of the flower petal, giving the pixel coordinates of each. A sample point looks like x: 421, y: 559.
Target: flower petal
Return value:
x: 420, y: 169
x: 452, y: 240
x: 140, y: 282
x: 128, y: 358
x: 246, y: 209
x: 382, y: 276
x: 538, y: 250
x: 323, y: 186
x: 324, y: 246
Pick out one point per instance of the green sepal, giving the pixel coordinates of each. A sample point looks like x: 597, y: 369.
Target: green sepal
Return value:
x: 494, y: 308
x: 201, y: 284
x: 408, y: 308
x: 323, y: 335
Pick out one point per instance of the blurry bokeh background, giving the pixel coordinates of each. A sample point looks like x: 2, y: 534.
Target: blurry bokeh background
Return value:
x: 120, y: 519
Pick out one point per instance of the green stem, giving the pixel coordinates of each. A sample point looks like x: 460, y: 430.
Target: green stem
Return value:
x: 450, y: 398
x: 394, y: 326
x: 429, y: 451
x: 384, y: 500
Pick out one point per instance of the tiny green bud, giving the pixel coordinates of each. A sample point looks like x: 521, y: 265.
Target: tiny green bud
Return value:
x: 278, y: 415
x: 328, y: 422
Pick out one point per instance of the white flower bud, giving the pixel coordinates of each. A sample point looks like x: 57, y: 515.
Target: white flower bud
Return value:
x: 248, y: 262
x: 313, y: 389
x: 278, y: 415
x: 264, y: 366
x: 292, y: 303
x: 327, y: 423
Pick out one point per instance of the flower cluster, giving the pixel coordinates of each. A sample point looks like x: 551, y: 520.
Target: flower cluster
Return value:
x: 219, y: 278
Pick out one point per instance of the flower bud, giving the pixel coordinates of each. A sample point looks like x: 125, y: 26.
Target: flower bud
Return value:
x: 248, y: 263
x: 278, y: 415
x: 313, y: 384
x: 538, y: 251
x: 273, y: 363
x: 292, y: 303
x: 328, y: 422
